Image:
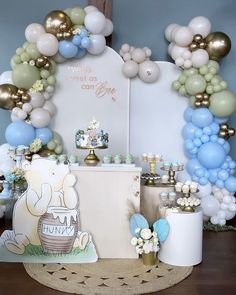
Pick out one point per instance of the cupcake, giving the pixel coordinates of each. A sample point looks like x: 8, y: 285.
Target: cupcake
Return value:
x: 185, y: 189
x: 129, y: 159
x: 107, y: 159
x: 178, y: 187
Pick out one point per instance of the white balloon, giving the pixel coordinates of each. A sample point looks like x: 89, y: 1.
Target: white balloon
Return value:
x: 187, y: 54
x: 169, y: 30
x: 148, y: 51
x: 98, y: 44
x: 37, y: 99
x: 200, y: 25
x: 6, y: 78
x: 170, y: 47
x: 183, y: 36
x: 47, y: 95
x: 218, y: 195
x: 223, y: 206
x: 199, y: 58
x: 4, y: 149
x: 149, y: 71
x: 59, y: 58
x: 14, y: 117
x: 232, y: 207
x: 50, y: 107
x: 210, y: 205
x: 177, y: 51
x: 188, y: 64
x: 108, y: 28
x: 204, y: 190
x: 172, y: 36
x: 7, y: 165
x: 15, y: 111
x: 229, y: 214
x: 227, y: 199
x: 27, y: 107
x: 90, y: 8
x: 221, y: 214
x: 95, y: 22
x: 179, y: 61
x: 138, y: 55
x: 22, y: 115
x: 40, y: 118
x: 214, y: 220
x: 130, y: 69
x: 233, y: 200
x: 47, y: 44
x: 50, y: 89
x: 33, y: 32
x: 127, y: 56
x: 125, y: 48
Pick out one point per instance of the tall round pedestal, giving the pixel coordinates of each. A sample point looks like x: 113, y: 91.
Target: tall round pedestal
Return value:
x: 183, y: 246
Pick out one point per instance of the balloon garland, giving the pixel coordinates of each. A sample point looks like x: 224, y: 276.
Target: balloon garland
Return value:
x: 27, y: 89
x: 206, y: 132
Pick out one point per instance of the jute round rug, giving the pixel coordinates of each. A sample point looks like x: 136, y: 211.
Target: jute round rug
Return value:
x: 108, y: 276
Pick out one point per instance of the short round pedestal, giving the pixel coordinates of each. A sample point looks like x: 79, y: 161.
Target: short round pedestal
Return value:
x: 183, y: 246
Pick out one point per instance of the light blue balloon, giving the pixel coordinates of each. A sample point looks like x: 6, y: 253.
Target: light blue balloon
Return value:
x: 230, y: 184
x: 195, y: 178
x: 215, y: 128
x: 162, y: 228
x: 221, y: 120
x: 188, y: 131
x: 213, y: 175
x: 188, y: 114
x: 232, y: 164
x: 226, y: 146
x: 44, y: 134
x: 81, y: 53
x: 19, y: 133
x: 137, y: 221
x: 198, y: 132
x: 202, y: 117
x: 188, y: 144
x: 193, y: 165
x: 85, y: 42
x: 207, y: 130
x: 211, y: 155
x: 220, y: 183
x: 203, y: 181
x: 76, y: 40
x: 205, y: 138
x: 83, y: 33
x: 200, y: 172
x: 67, y: 49
x: 194, y: 151
x: 214, y: 138
x: 221, y: 141
x: 197, y: 142
x: 223, y: 175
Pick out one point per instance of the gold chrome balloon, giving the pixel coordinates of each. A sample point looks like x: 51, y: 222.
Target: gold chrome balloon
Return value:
x: 47, y: 65
x: 193, y: 46
x: 197, y: 38
x: 25, y: 98
x: 225, y: 131
x: 55, y: 19
x: 218, y: 45
x: 19, y: 104
x: 46, y: 152
x: 6, y: 92
x: 41, y: 61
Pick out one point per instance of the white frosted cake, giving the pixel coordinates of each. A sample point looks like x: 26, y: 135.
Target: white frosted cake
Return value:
x: 92, y: 137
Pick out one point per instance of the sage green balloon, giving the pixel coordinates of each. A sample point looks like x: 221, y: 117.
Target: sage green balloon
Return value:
x: 32, y: 50
x: 77, y: 15
x: 223, y: 103
x: 24, y: 76
x: 195, y: 84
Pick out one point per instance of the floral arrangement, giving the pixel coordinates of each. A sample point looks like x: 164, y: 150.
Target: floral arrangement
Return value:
x: 36, y: 145
x: 147, y: 241
x: 16, y: 175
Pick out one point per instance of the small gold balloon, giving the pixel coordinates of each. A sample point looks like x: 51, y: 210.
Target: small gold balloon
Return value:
x: 21, y: 91
x: 59, y: 36
x: 15, y: 97
x: 224, y: 126
x: 40, y: 61
x: 47, y: 65
x: 6, y: 92
x: 202, y: 45
x: 25, y: 98
x: 55, y: 19
x: 231, y: 132
x: 67, y: 35
x: 222, y: 134
x: 63, y: 27
x: 205, y: 103
x: 218, y: 45
x: 197, y: 38
x: 46, y: 153
x: 206, y: 96
x: 197, y: 104
x: 199, y: 96
x: 193, y: 46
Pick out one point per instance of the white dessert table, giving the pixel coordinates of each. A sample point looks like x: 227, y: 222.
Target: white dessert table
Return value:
x: 107, y: 197
x: 183, y: 246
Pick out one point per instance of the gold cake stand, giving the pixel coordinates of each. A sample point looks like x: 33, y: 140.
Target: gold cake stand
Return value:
x: 92, y: 159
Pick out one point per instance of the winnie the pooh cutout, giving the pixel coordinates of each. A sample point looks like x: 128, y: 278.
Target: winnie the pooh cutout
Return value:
x: 46, y: 219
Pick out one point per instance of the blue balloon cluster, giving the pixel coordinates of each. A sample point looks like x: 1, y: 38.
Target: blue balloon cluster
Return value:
x: 208, y: 153
x: 21, y: 133
x: 76, y: 47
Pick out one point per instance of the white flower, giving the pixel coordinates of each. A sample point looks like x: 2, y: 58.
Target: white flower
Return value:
x: 140, y: 241
x: 148, y: 247
x: 154, y: 234
x: 156, y: 248
x: 146, y: 233
x: 134, y: 241
x: 155, y: 241
x: 32, y: 62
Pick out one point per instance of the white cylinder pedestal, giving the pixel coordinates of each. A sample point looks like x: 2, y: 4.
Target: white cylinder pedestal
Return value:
x: 183, y: 246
